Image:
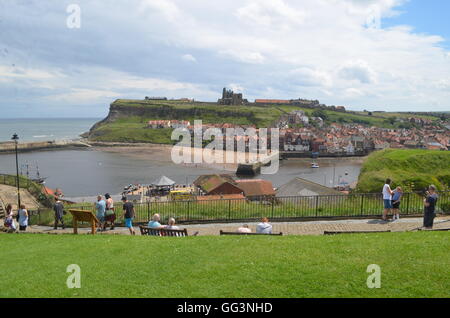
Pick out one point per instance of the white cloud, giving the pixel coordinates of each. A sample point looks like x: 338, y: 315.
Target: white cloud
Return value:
x: 188, y: 58
x: 310, y: 77
x: 359, y: 71
x: 243, y: 56
x: 84, y: 95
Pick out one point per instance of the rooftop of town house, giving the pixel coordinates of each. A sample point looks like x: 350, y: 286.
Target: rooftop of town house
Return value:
x: 256, y: 187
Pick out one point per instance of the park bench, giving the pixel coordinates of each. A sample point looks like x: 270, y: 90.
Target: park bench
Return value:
x: 436, y: 230
x: 353, y: 232
x: 239, y: 233
x: 162, y: 232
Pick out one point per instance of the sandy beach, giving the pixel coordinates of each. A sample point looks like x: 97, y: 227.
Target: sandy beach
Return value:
x: 163, y: 153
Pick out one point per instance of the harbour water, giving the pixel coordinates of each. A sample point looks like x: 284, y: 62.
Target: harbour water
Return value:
x: 90, y: 172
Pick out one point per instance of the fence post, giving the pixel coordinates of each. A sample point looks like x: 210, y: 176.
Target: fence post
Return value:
x: 362, y: 204
x: 229, y: 209
x: 407, y: 203
x: 188, y: 212
x: 148, y: 210
x: 317, y: 205
x: 273, y: 203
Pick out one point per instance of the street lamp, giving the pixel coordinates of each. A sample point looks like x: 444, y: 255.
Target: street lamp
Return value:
x: 15, y: 137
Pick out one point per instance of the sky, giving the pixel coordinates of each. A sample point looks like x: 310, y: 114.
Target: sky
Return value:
x: 73, y: 58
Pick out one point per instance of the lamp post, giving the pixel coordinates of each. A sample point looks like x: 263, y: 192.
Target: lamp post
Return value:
x: 15, y: 137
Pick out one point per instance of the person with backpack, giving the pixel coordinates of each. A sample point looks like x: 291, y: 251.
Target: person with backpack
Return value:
x: 110, y: 215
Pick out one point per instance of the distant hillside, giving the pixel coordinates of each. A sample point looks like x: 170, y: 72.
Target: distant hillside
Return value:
x: 410, y: 169
x: 127, y: 119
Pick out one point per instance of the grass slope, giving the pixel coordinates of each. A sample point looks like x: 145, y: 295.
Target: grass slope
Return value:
x: 412, y: 265
x: 413, y: 169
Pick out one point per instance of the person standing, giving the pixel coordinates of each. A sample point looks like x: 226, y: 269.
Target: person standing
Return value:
x: 110, y: 215
x: 128, y: 209
x: 23, y: 218
x: 396, y: 200
x: 430, y: 207
x: 100, y: 207
x: 387, y: 198
x: 59, y: 213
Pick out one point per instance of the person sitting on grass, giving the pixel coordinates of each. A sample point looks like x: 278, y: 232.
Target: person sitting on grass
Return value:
x: 396, y: 199
x: 154, y: 223
x: 264, y: 227
x: 171, y: 225
x: 244, y: 229
x: 128, y: 214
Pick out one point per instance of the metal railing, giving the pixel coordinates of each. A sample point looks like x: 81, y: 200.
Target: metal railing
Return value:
x: 276, y: 209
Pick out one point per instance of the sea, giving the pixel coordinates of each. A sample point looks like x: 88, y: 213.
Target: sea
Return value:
x: 45, y: 129
x: 89, y: 172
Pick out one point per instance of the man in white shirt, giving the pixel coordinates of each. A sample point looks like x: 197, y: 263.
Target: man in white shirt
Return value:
x: 387, y: 198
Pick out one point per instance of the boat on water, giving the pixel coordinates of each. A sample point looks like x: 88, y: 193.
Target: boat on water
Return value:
x: 38, y: 179
x: 315, y: 165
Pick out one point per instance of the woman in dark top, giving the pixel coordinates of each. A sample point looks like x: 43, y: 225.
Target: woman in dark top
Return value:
x: 430, y: 207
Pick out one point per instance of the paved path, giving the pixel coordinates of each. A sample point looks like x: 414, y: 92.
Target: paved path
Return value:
x: 290, y: 228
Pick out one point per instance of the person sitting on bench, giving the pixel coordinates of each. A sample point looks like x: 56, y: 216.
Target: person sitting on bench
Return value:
x: 154, y: 223
x: 244, y: 229
x: 171, y: 225
x: 264, y: 227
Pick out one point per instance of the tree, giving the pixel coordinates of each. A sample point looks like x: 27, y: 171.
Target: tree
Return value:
x: 320, y: 113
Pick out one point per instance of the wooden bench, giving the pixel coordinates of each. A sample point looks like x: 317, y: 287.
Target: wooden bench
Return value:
x: 162, y: 232
x: 239, y: 233
x: 353, y: 232
x: 435, y: 230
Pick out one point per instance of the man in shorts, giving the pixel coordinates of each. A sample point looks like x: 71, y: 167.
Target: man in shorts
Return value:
x: 387, y: 198
x: 128, y: 214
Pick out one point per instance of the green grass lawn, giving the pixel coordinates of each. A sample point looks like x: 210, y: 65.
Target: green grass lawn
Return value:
x: 412, y: 265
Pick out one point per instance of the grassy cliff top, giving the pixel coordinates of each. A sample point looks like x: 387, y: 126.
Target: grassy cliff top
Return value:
x: 128, y: 118
x: 412, y: 169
